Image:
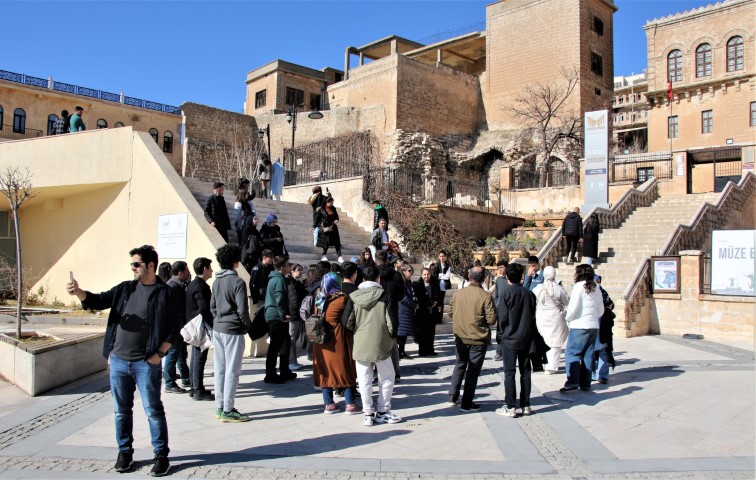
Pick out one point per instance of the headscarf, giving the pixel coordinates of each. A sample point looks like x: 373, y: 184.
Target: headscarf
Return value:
x: 330, y: 284
x: 271, y: 218
x: 549, y: 275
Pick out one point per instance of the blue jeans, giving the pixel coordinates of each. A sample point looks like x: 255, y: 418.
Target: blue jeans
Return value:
x: 328, y: 395
x: 176, y: 359
x: 125, y: 378
x: 578, y: 357
x: 600, y: 370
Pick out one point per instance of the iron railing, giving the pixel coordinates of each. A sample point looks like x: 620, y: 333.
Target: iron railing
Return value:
x: 86, y: 92
x: 328, y: 159
x: 427, y: 189
x: 7, y: 131
x: 640, y: 167
x: 438, y: 37
x: 524, y: 179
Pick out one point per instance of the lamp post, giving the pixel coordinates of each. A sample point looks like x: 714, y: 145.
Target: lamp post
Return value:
x: 291, y: 118
x: 264, y: 132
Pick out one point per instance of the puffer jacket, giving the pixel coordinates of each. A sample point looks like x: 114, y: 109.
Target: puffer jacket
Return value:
x: 371, y: 323
x: 572, y: 225
x: 585, y: 309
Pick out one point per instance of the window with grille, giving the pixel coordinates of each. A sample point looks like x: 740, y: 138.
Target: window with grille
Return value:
x: 735, y: 54
x: 294, y: 96
x: 314, y: 101
x: 51, y: 120
x: 168, y: 142
x: 703, y: 60
x: 644, y: 173
x: 672, y: 127
x: 597, y: 25
x: 261, y: 98
x: 674, y: 66
x: 19, y: 121
x: 597, y: 64
x: 707, y: 121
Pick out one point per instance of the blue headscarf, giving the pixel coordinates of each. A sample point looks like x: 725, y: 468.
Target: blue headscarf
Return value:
x: 271, y: 218
x: 330, y: 284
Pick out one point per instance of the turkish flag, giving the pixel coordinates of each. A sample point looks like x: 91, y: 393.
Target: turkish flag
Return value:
x: 669, y: 91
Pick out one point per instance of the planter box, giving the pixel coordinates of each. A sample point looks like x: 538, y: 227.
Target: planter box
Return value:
x: 40, y: 366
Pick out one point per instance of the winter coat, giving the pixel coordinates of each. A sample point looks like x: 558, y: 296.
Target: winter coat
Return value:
x: 258, y: 278
x: 393, y: 283
x: 198, y: 298
x: 584, y: 309
x: 251, y: 248
x: 517, y: 318
x: 424, y: 315
x: 590, y: 239
x: 379, y: 213
x: 473, y: 314
x: 324, y: 220
x: 550, y: 321
x: 297, y: 293
x: 332, y: 364
x: 371, y: 323
x: 572, y: 225
x: 272, y: 238
x: 229, y: 304
x: 216, y: 211
x: 407, y: 311
x: 276, y: 298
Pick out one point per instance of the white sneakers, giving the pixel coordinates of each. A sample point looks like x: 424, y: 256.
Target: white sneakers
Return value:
x: 323, y: 258
x: 341, y: 260
x: 387, y: 417
x: 368, y: 421
x: 507, y: 412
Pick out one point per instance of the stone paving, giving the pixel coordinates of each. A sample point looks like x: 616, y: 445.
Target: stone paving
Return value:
x: 672, y: 409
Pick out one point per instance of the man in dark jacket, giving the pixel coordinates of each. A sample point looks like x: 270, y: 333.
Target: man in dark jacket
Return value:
x: 177, y: 355
x: 393, y: 283
x: 278, y: 316
x: 379, y: 212
x: 216, y: 212
x: 198, y: 303
x: 517, y: 323
x: 259, y: 277
x: 501, y: 286
x: 142, y: 325
x: 572, y: 230
x: 297, y: 293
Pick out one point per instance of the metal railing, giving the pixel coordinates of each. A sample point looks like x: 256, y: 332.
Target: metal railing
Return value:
x: 328, y: 159
x: 429, y: 189
x: 51, y: 84
x: 7, y: 131
x: 640, y: 167
x: 524, y: 179
x: 475, y: 27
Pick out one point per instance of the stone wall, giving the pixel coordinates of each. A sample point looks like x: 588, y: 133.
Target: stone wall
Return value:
x: 477, y: 224
x: 714, y: 316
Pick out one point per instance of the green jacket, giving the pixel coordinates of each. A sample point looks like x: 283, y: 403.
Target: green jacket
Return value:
x: 276, y: 298
x: 473, y: 314
x: 371, y: 323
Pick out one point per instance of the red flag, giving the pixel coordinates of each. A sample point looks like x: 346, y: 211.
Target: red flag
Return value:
x: 669, y: 91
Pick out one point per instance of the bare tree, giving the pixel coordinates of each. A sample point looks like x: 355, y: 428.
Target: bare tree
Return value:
x: 239, y: 158
x: 550, y: 120
x: 16, y: 186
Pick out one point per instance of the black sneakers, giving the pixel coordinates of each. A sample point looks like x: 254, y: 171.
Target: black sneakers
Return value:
x: 160, y: 465
x: 124, y: 462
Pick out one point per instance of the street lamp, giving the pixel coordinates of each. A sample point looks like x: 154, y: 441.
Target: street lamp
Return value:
x: 263, y: 132
x: 291, y: 118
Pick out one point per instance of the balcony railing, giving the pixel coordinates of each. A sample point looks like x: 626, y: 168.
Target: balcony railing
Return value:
x: 7, y: 131
x: 51, y: 84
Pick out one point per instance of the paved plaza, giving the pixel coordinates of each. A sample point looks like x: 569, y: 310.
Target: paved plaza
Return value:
x: 673, y: 409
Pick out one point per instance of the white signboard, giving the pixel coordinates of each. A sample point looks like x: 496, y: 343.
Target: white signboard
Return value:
x: 733, y: 254
x: 596, y: 186
x: 680, y: 165
x: 171, y: 241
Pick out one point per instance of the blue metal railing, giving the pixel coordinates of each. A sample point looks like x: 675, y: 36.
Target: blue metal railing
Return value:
x: 87, y: 92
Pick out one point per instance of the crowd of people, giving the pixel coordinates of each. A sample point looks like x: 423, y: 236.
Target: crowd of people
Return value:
x: 351, y: 319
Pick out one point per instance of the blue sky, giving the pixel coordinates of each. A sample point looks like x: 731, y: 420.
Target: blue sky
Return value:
x: 176, y: 51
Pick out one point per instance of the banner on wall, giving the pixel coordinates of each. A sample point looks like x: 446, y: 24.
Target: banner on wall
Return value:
x: 596, y: 129
x: 171, y: 241
x: 733, y: 255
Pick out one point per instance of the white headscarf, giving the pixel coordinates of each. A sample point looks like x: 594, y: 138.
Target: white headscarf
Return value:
x: 549, y: 275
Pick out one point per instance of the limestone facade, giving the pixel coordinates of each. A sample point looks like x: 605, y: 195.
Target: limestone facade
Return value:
x: 630, y: 114
x: 712, y: 103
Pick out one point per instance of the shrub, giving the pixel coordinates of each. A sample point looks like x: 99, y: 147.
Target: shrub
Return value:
x: 548, y: 223
x: 488, y: 259
x: 529, y: 223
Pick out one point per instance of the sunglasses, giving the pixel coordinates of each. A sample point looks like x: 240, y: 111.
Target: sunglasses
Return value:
x: 135, y: 264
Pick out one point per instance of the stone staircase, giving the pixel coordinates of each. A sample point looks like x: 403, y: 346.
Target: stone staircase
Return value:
x: 295, y: 220
x: 642, y: 234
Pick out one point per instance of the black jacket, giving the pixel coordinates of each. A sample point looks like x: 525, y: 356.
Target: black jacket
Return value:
x: 198, y: 301
x: 572, y: 225
x: 216, y: 211
x: 272, y: 238
x: 251, y: 248
x: 393, y: 283
x: 163, y: 310
x: 517, y: 322
x: 258, y: 283
x: 296, y: 293
x: 378, y: 214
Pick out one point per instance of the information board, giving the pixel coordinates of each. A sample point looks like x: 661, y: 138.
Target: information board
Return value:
x: 596, y: 156
x: 171, y: 241
x: 733, y: 254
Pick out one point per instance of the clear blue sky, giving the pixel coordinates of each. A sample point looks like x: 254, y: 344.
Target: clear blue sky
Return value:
x: 200, y: 51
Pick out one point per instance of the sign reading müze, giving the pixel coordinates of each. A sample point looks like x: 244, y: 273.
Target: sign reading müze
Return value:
x: 596, y: 156
x: 733, y: 255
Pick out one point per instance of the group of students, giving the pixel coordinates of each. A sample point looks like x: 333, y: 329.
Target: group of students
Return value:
x: 69, y: 123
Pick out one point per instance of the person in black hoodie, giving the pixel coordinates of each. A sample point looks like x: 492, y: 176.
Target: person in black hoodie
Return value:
x: 517, y: 322
x: 296, y: 294
x: 216, y: 211
x: 379, y: 212
x: 198, y: 298
x: 393, y: 283
x: 572, y: 230
x: 252, y: 245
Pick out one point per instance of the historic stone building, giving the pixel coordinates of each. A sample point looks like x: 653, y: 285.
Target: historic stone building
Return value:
x: 30, y: 105
x: 630, y: 114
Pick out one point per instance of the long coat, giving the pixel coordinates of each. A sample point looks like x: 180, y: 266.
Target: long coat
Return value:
x: 590, y: 240
x: 324, y: 218
x: 407, y: 312
x: 332, y: 364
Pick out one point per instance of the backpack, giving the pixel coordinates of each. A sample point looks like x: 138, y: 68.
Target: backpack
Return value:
x: 316, y: 328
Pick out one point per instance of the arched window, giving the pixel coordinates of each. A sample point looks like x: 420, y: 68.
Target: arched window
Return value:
x: 703, y: 60
x: 674, y: 66
x: 154, y: 134
x: 118, y: 124
x: 735, y: 54
x: 1, y: 117
x: 19, y: 121
x: 167, y: 142
x: 102, y: 123
x: 51, y: 119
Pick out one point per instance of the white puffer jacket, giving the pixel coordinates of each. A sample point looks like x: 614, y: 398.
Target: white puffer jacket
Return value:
x: 584, y: 309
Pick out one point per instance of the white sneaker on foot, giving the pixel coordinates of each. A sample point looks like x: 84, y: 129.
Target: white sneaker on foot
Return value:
x: 527, y: 411
x: 507, y: 412
x: 341, y: 260
x: 368, y: 421
x: 323, y: 258
x: 387, y: 417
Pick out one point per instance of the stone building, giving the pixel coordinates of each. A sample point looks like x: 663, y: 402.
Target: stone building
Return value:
x: 630, y: 113
x: 701, y: 78
x: 29, y: 106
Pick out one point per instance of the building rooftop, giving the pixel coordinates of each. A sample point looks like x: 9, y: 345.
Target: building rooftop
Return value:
x: 696, y: 11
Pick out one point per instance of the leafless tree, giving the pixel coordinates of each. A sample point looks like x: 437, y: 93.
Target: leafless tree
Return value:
x: 550, y: 120
x: 237, y: 159
x: 16, y: 186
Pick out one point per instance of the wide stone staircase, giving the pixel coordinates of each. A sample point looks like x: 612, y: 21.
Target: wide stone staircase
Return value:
x: 642, y: 234
x: 295, y: 220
